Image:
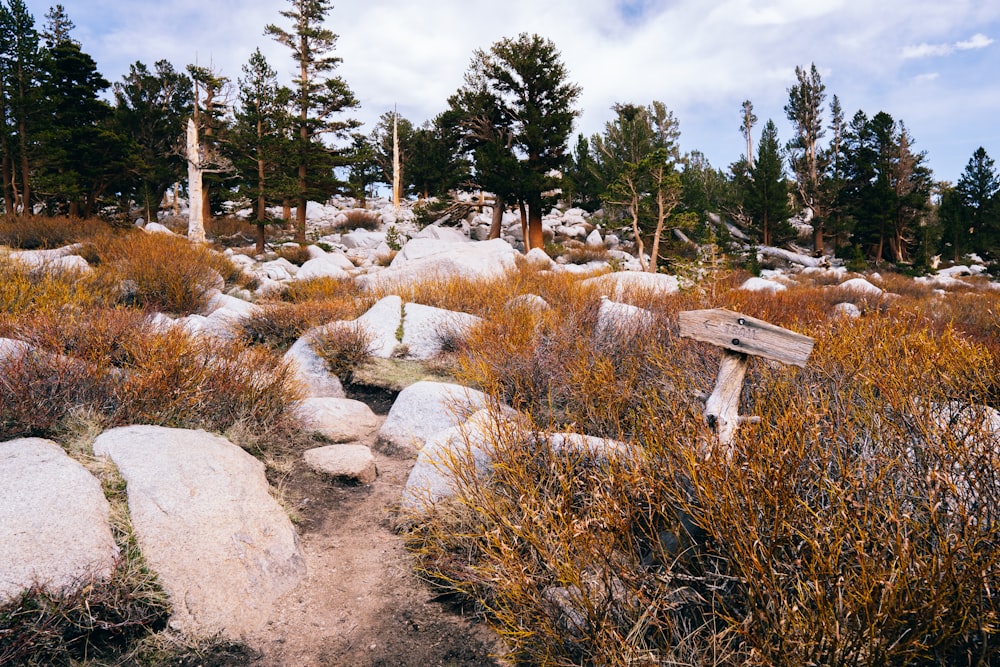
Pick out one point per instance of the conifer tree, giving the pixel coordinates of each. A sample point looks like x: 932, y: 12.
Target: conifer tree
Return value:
x: 636, y: 157
x: 20, y: 69
x: 260, y: 144
x: 767, y: 191
x: 78, y: 155
x: 517, y: 105
x: 319, y: 98
x: 435, y: 163
x: 150, y: 109
x: 805, y: 111
x: 978, y: 189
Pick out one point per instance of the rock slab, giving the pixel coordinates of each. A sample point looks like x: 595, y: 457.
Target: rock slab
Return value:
x: 54, y: 528
x: 221, y: 546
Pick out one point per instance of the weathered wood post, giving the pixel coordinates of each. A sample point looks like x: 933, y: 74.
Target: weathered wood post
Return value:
x: 740, y: 336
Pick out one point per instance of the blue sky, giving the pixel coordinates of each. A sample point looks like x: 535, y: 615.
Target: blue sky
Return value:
x: 934, y: 64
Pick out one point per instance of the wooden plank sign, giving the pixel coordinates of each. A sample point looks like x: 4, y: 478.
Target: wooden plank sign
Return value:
x: 742, y: 333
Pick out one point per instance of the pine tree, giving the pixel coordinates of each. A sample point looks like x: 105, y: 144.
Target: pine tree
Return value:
x: 151, y: 109
x: 260, y: 145
x: 580, y: 184
x: 805, y: 111
x: 435, y: 165
x: 20, y: 69
x: 886, y: 188
x: 636, y: 158
x: 319, y: 98
x: 767, y: 191
x: 977, y: 189
x: 58, y: 26
x: 516, y: 109
x: 78, y: 153
x: 836, y: 224
x: 364, y: 170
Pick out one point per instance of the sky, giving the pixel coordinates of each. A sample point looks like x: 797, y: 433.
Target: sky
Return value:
x: 933, y: 64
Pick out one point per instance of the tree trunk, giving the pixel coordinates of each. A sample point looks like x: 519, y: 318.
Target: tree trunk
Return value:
x: 639, y: 245
x: 818, y: 245
x: 261, y: 207
x: 196, y: 223
x: 8, y: 183
x: 524, y: 224
x: 25, y: 170
x: 535, y: 236
x: 497, y: 224
x: 74, y: 208
x: 286, y: 209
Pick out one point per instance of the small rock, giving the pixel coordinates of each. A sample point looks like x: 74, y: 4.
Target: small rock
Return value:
x: 337, y: 419
x: 847, y: 310
x: 350, y: 462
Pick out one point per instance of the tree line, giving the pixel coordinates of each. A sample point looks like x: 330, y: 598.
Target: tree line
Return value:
x: 65, y: 148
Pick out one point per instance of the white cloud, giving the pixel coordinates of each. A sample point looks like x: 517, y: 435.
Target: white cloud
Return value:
x: 926, y: 50
x: 977, y: 41
x: 701, y: 58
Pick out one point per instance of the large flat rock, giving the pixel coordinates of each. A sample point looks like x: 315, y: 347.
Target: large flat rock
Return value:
x: 222, y: 547
x: 54, y: 527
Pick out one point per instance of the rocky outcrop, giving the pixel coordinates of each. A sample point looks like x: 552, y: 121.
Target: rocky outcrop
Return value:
x: 54, y: 529
x: 220, y: 545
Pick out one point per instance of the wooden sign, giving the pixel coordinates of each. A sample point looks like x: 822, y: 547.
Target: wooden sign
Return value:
x: 742, y: 333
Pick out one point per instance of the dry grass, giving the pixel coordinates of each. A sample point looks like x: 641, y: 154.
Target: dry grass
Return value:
x: 34, y: 232
x: 113, y: 363
x: 857, y: 524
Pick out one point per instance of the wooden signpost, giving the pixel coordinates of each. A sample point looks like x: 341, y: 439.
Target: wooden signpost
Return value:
x: 739, y: 336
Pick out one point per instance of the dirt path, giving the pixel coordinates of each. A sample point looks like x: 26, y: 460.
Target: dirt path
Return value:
x: 361, y: 605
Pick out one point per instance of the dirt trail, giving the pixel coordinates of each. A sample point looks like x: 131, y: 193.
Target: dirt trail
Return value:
x: 361, y: 605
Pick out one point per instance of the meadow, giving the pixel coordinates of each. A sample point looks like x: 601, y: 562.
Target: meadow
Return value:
x: 858, y: 523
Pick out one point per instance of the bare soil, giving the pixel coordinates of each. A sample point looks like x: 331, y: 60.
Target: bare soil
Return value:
x: 361, y: 603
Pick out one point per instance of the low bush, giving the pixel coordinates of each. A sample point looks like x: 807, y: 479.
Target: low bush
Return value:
x: 279, y: 325
x: 576, y: 252
x: 31, y: 232
x: 857, y: 524
x: 159, y: 272
x: 114, y: 364
x: 345, y: 347
x: 326, y: 289
x: 359, y: 218
x: 23, y: 289
x: 296, y: 254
